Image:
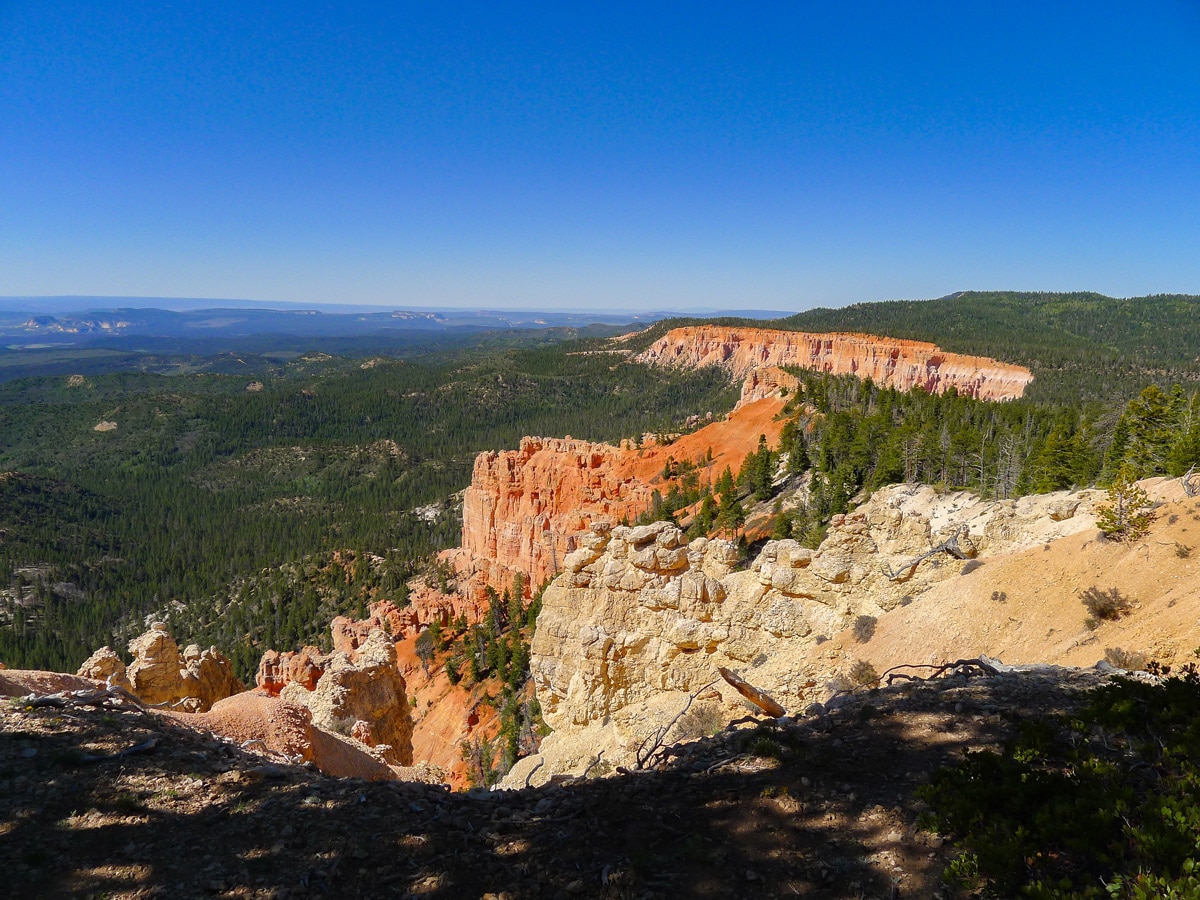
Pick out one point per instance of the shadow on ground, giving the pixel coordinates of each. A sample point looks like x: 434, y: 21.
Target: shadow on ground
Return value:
x: 823, y: 807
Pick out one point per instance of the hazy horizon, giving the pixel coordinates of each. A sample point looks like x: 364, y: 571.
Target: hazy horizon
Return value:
x: 63, y: 304
x: 617, y: 159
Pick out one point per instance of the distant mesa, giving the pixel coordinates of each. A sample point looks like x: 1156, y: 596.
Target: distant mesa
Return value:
x: 889, y: 362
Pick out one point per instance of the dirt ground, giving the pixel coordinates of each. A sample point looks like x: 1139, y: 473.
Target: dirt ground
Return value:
x: 818, y: 807
x: 1031, y: 605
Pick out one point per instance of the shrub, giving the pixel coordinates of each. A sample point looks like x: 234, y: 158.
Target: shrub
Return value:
x: 862, y: 673
x: 864, y: 629
x: 1106, y: 606
x: 1057, y: 815
x: 702, y: 720
x: 1133, y: 660
x: 766, y: 747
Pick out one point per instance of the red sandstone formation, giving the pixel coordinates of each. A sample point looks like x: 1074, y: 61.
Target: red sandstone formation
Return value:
x: 768, y: 381
x: 525, y: 507
x: 277, y: 670
x: 887, y: 361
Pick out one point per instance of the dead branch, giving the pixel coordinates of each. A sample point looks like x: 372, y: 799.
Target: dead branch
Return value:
x: 950, y: 546
x: 145, y: 746
x: 655, y: 738
x: 1191, y: 482
x: 529, y: 777
x: 595, y: 762
x: 97, y: 698
x: 759, y: 698
x: 967, y: 667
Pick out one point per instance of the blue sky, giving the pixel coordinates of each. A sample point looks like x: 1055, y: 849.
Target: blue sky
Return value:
x: 642, y: 157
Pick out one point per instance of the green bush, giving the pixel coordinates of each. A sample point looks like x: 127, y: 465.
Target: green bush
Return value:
x: 1105, y: 805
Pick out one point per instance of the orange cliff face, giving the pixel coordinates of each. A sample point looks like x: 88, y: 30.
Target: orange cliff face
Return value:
x: 891, y: 362
x: 525, y: 508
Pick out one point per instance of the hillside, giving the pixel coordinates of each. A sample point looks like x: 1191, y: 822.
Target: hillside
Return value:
x: 209, y: 480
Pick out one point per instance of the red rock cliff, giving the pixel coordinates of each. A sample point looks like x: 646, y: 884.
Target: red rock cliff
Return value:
x: 887, y: 361
x: 525, y: 507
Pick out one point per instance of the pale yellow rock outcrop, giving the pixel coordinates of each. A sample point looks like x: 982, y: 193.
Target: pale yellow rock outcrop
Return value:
x: 640, y: 619
x: 105, y: 665
x: 192, y: 680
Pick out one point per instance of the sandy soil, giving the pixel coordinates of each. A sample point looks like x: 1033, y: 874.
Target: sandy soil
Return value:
x: 1030, y: 606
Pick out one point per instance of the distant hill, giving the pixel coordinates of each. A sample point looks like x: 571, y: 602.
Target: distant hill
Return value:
x: 34, y: 324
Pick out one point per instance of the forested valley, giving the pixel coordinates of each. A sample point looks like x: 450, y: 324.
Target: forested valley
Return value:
x: 214, y: 487
x: 251, y: 508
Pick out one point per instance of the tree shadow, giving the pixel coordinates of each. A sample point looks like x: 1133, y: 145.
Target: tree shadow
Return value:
x: 820, y: 807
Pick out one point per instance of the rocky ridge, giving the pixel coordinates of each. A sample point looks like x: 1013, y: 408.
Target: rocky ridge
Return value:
x: 640, y: 620
x: 891, y: 362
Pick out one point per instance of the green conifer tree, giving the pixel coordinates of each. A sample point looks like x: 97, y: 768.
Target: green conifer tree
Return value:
x: 1127, y: 514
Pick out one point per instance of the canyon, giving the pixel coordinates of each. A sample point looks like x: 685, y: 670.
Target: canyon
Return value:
x: 637, y: 618
x: 526, y: 508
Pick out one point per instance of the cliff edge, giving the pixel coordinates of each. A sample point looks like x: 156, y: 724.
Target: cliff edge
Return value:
x: 892, y: 362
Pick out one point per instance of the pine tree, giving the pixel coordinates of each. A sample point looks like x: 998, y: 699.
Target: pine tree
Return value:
x: 1127, y: 515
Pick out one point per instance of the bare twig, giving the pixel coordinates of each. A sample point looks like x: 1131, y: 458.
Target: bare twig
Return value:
x: 1191, y: 482
x: 950, y: 546
x: 655, y: 738
x: 529, y: 777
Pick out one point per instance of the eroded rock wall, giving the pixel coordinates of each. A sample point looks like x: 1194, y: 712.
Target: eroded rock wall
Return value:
x: 887, y: 361
x: 526, y: 509
x: 639, y: 619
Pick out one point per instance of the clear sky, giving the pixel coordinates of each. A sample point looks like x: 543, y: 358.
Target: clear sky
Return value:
x: 607, y: 156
